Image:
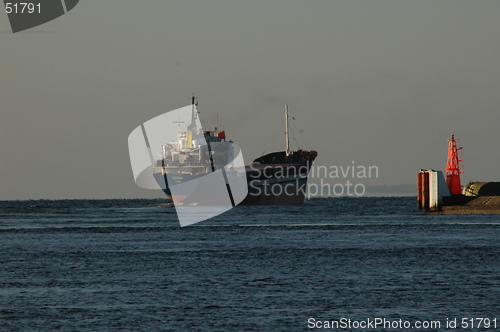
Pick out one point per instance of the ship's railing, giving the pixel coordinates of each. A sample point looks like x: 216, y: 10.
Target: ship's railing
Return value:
x: 176, y: 167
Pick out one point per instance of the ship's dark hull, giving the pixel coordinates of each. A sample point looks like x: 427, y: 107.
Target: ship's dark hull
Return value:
x: 278, y: 179
x: 273, y: 179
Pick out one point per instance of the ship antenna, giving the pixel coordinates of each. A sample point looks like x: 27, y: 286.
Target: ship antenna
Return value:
x: 191, y: 129
x: 194, y: 103
x: 287, y: 150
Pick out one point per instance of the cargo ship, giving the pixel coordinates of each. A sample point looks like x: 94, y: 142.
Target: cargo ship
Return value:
x: 437, y: 195
x: 277, y: 178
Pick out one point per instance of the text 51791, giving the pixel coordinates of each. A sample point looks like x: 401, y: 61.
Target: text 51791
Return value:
x: 22, y: 7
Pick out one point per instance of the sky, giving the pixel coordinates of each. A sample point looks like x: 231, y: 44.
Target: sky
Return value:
x: 369, y: 82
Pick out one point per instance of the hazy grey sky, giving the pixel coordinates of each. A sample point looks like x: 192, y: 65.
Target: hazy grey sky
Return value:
x: 379, y: 82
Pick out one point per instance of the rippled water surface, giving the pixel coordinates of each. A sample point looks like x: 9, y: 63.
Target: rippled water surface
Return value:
x: 127, y: 265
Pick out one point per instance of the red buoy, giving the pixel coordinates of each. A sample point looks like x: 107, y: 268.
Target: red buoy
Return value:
x: 453, y: 167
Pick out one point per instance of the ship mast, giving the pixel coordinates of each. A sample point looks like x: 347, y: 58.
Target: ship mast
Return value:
x: 191, y: 129
x: 287, y: 138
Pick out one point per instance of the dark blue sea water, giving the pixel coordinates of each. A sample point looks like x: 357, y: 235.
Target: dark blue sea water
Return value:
x: 127, y: 265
